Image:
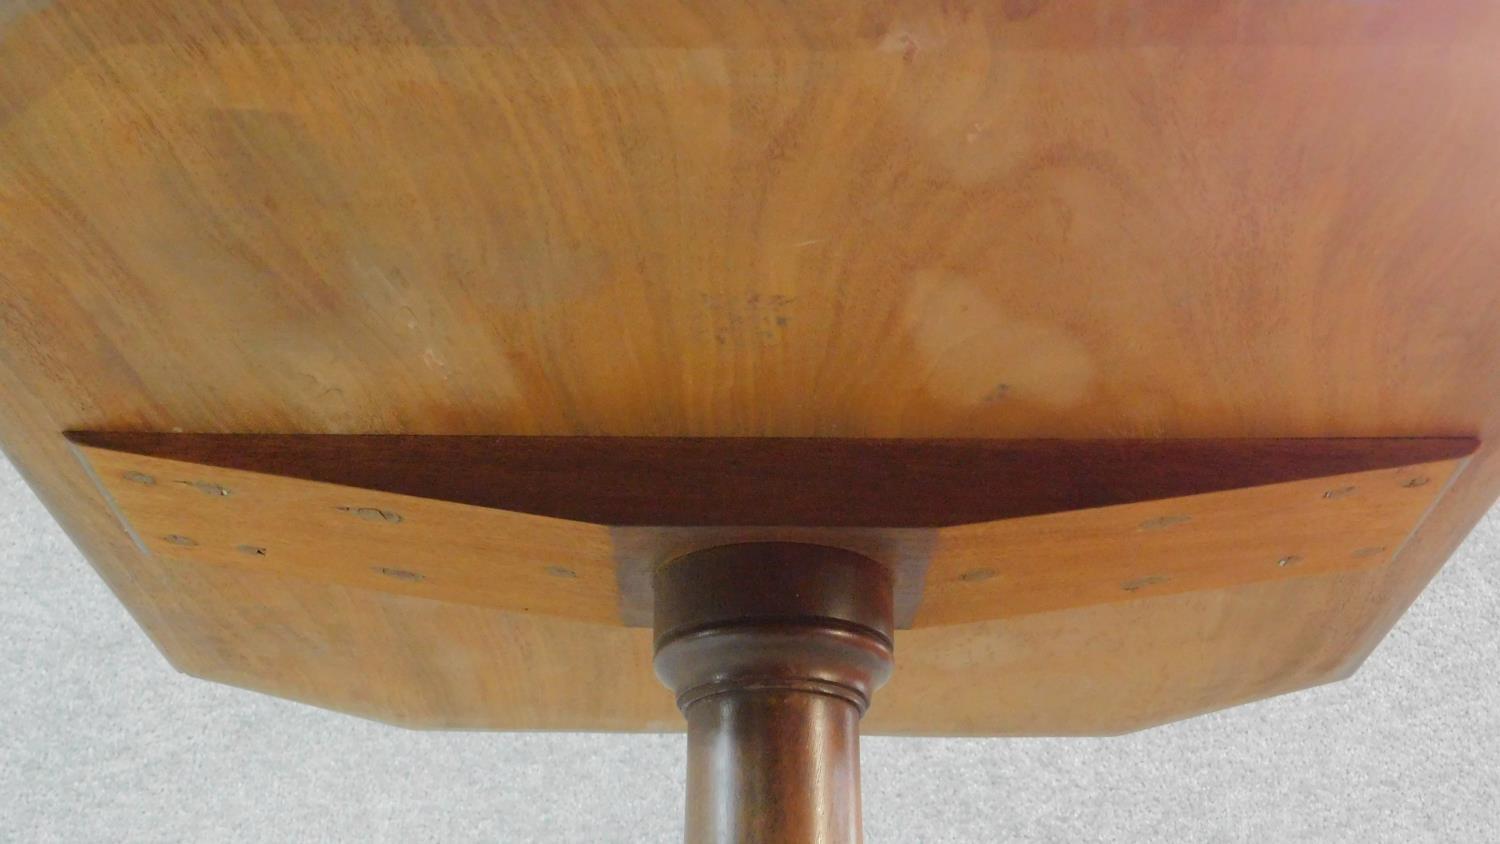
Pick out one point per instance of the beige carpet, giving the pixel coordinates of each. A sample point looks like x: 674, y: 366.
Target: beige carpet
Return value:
x: 101, y: 741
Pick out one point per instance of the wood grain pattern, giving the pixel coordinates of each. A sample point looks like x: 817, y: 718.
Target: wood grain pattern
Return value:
x: 810, y: 482
x: 336, y: 534
x: 959, y: 220
x: 1207, y: 542
x: 527, y: 563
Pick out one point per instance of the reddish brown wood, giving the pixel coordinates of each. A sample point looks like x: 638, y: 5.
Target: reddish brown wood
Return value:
x: 529, y: 563
x: 889, y: 483
x: 773, y: 651
x: 788, y: 582
x: 773, y: 766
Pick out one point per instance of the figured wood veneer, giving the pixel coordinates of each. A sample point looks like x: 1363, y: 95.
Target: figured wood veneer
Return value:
x: 963, y: 220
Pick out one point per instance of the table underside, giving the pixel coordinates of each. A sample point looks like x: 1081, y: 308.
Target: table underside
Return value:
x: 854, y: 220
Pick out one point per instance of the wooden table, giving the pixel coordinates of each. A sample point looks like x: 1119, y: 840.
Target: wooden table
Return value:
x: 1118, y: 221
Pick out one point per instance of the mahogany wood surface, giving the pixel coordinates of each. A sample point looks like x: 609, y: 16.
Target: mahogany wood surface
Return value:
x: 773, y: 652
x: 535, y: 563
x: 773, y: 766
x: 965, y: 220
x: 810, y: 482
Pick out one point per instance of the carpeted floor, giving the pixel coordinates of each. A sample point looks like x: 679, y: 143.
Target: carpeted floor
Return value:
x: 101, y: 741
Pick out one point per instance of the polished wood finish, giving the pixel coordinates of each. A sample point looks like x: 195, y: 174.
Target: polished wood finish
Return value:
x: 537, y: 564
x: 773, y: 651
x: 773, y: 766
x: 755, y: 582
x: 945, y: 220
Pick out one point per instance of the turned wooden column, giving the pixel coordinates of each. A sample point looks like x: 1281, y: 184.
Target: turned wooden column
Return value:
x: 773, y: 650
